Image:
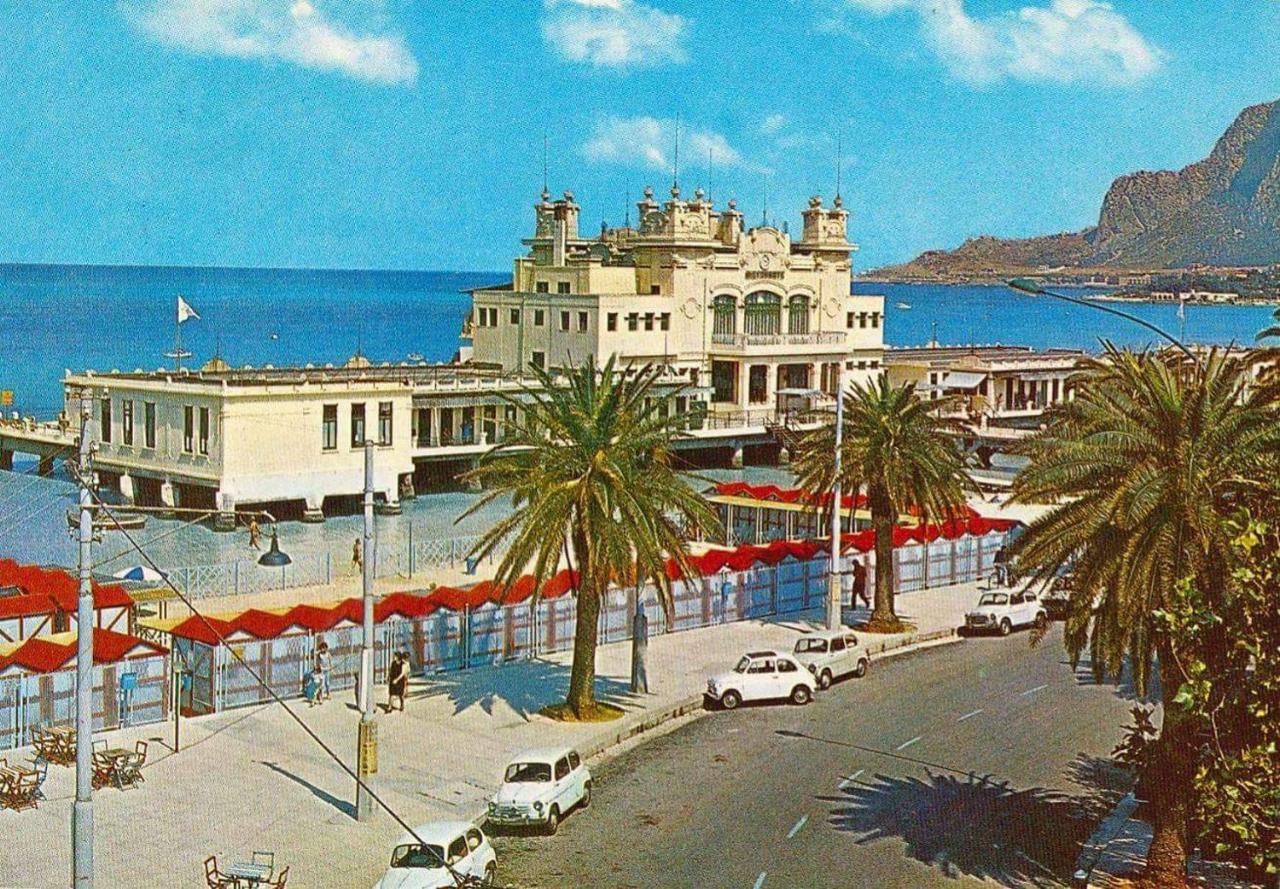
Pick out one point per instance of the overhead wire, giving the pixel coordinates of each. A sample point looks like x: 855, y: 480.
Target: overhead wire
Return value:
x: 459, y: 879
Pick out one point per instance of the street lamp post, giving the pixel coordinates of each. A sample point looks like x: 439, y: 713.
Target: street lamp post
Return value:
x: 833, y: 576
x: 367, y: 735
x: 82, y: 808
x: 1033, y: 288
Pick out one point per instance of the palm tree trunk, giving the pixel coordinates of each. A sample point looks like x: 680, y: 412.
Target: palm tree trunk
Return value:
x: 1168, y: 780
x: 882, y: 522
x: 582, y: 676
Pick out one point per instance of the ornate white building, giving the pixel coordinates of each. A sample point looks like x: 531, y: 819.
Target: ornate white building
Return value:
x: 747, y: 317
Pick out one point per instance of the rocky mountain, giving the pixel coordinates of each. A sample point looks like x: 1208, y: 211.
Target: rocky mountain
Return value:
x: 1222, y: 211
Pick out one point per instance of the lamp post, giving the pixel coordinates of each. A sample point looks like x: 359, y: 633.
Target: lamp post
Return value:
x: 833, y: 576
x: 1033, y: 288
x: 82, y: 808
x: 367, y: 734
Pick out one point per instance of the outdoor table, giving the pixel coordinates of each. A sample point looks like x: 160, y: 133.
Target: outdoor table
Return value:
x: 107, y: 765
x: 249, y: 873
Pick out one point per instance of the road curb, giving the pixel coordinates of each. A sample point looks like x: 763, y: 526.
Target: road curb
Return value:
x: 648, y: 721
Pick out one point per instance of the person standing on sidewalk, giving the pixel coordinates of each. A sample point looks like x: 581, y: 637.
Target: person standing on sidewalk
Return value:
x: 324, y: 663
x: 860, y: 583
x: 357, y: 558
x: 397, y: 681
x: 254, y: 534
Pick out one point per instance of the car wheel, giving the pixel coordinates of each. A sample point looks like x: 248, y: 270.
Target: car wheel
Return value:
x: 586, y: 796
x: 730, y: 700
x: 1042, y: 620
x: 861, y: 669
x: 801, y: 695
x: 1005, y: 627
x: 490, y: 875
x: 824, y: 680
x: 553, y: 821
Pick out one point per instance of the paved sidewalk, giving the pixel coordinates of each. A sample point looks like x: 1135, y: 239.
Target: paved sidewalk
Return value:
x: 251, y: 780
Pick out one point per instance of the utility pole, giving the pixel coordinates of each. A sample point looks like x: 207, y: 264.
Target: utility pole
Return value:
x: 367, y: 738
x: 834, y: 621
x: 82, y: 809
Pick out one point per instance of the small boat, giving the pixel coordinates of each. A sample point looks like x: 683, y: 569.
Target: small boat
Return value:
x: 904, y: 306
x: 414, y: 356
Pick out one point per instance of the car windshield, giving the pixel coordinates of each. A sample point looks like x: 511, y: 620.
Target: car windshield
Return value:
x: 742, y: 665
x: 811, y: 646
x: 414, y: 855
x: 994, y: 599
x: 528, y: 772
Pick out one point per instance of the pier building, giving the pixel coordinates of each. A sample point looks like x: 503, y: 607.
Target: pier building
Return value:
x: 750, y: 325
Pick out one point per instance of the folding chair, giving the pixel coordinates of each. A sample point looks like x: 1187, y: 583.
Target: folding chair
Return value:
x: 266, y: 859
x: 280, y: 880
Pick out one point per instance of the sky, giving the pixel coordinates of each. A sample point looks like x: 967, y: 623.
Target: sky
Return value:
x: 408, y: 134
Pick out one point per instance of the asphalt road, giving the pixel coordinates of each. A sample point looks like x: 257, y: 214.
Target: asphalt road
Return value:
x: 983, y: 761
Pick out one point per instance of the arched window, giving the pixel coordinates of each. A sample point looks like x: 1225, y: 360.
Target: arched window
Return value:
x: 763, y: 315
x: 726, y: 316
x: 798, y: 315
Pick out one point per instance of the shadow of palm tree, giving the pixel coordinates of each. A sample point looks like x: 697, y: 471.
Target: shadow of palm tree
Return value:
x: 1123, y: 685
x: 524, y: 686
x: 973, y: 826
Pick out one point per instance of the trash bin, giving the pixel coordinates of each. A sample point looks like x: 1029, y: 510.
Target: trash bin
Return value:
x: 472, y: 561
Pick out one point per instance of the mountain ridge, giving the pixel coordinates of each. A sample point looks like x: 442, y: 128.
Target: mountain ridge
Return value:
x: 1223, y: 210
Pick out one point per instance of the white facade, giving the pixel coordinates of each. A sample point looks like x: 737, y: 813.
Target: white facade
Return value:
x: 738, y: 315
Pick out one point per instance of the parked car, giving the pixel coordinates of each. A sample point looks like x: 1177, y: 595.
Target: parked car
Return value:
x: 539, y: 787
x: 1002, y: 611
x: 830, y: 655
x: 762, y: 676
x: 418, y: 862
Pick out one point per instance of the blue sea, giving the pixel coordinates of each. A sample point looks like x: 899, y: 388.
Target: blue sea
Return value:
x: 78, y: 317
x: 58, y: 317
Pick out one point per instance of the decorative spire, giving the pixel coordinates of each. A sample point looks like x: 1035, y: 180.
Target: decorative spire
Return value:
x: 546, y: 191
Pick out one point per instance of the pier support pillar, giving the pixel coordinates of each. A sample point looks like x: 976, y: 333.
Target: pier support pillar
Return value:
x: 407, y: 491
x: 736, y: 459
x: 46, y: 466
x: 314, y: 511
x: 127, y: 492
x: 6, y: 460
x: 225, y: 520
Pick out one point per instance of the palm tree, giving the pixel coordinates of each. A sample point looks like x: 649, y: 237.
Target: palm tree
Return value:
x: 1272, y: 331
x: 1147, y: 463
x: 587, y: 468
x: 895, y: 447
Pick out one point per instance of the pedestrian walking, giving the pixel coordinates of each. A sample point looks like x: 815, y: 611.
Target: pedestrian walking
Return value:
x: 311, y: 687
x: 254, y: 534
x: 324, y: 663
x: 860, y: 582
x: 397, y: 681
x: 357, y: 558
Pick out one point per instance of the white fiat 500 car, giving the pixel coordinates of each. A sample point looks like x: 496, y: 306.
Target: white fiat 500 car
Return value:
x: 419, y: 862
x: 539, y: 787
x: 762, y: 676
x: 1000, y: 612
x: 832, y: 654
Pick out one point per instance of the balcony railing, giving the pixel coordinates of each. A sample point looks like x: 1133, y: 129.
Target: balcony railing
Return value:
x: 739, y: 341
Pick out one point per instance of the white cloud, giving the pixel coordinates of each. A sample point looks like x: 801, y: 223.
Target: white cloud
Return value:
x: 773, y: 123
x: 302, y: 32
x: 1067, y: 41
x: 613, y: 33
x: 650, y: 142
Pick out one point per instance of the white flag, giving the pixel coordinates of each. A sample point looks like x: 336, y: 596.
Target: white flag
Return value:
x: 185, y: 311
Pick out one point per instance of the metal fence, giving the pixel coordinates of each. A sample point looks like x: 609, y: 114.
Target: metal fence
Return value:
x: 492, y: 634
x: 390, y: 560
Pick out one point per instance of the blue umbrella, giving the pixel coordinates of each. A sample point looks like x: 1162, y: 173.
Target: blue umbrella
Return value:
x: 139, y: 572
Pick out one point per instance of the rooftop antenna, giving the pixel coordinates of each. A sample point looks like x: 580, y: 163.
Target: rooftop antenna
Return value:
x: 839, y: 161
x: 626, y: 208
x: 764, y: 214
x: 675, y: 169
x: 546, y: 191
